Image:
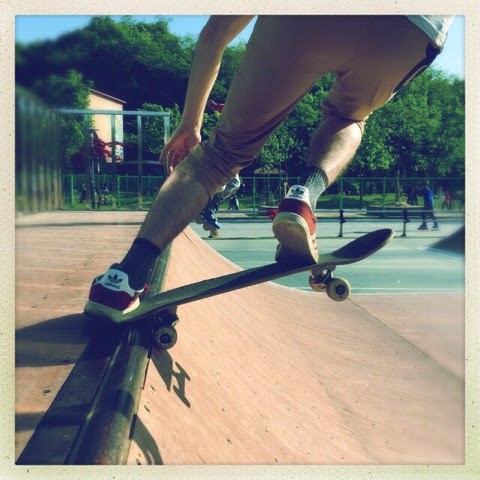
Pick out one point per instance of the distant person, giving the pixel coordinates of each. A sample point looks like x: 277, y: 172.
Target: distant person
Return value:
x: 428, y: 207
x: 83, y: 193
x: 372, y: 56
x: 447, y: 201
x: 413, y: 196
x: 207, y: 215
x: 233, y: 203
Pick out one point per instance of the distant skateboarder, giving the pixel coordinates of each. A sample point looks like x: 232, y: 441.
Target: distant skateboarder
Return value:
x: 207, y: 216
x: 427, y: 207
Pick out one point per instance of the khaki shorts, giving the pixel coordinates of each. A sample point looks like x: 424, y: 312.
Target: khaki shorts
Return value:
x: 372, y: 57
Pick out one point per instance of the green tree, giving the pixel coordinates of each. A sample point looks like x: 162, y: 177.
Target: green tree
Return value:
x: 134, y: 61
x: 64, y: 91
x: 153, y: 131
x: 68, y: 91
x: 419, y: 132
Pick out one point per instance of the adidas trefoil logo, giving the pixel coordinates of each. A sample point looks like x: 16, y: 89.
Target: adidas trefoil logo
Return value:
x: 298, y: 192
x: 114, y: 281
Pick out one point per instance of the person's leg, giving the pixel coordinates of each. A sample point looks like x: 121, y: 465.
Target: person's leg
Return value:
x: 207, y: 215
x: 282, y: 62
x: 117, y: 291
x: 435, y: 221
x: 230, y: 189
x: 331, y: 149
x: 391, y: 52
x: 264, y: 91
x: 180, y: 199
x: 423, y: 225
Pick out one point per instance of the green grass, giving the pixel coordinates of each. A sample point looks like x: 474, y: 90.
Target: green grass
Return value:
x: 129, y: 201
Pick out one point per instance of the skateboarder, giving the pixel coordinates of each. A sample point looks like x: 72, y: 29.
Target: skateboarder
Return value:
x: 207, y: 215
x: 372, y: 57
x: 427, y: 207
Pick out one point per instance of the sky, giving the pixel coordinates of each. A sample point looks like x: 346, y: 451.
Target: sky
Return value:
x: 31, y: 28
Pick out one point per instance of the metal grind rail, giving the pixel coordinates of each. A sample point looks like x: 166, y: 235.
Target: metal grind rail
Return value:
x: 91, y: 419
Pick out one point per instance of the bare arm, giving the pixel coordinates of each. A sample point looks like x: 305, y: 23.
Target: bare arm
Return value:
x: 219, y: 31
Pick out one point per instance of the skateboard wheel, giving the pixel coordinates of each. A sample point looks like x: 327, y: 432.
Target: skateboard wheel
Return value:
x: 338, y: 289
x: 316, y: 286
x: 206, y: 227
x: 215, y: 233
x: 165, y: 337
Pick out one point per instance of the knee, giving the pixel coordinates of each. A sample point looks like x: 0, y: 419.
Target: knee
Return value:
x: 339, y: 122
x: 208, y: 167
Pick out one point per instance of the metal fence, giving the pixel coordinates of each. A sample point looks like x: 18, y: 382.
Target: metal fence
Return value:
x: 42, y: 185
x: 261, y: 193
x: 38, y: 156
x: 93, y: 185
x: 42, y: 145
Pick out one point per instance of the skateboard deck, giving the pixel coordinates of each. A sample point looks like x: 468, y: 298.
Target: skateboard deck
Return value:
x: 160, y: 306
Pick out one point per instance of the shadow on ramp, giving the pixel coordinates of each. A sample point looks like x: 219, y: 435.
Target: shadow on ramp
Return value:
x: 454, y: 243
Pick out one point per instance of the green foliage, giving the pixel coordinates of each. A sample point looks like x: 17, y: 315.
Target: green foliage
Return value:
x: 420, y: 132
x: 153, y: 131
x: 64, y: 91
x: 67, y: 91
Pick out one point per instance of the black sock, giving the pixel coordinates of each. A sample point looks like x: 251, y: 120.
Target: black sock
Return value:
x: 138, y: 261
x: 315, y: 179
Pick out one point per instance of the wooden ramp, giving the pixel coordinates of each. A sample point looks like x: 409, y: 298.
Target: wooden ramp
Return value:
x: 265, y: 375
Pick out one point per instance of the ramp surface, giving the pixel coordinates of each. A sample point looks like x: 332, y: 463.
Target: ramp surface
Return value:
x: 454, y: 243
x: 264, y: 375
x: 271, y: 375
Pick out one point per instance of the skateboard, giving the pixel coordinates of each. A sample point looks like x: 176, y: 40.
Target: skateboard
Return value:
x: 162, y: 308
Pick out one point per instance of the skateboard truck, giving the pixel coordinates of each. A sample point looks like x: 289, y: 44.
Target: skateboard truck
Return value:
x: 337, y: 288
x: 164, y: 332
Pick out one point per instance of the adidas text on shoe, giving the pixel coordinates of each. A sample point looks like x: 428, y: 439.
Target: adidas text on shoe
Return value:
x: 294, y: 226
x: 111, y: 296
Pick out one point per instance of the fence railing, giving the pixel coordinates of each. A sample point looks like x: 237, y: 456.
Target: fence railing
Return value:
x: 91, y: 164
x: 41, y: 184
x: 38, y: 156
x: 260, y: 193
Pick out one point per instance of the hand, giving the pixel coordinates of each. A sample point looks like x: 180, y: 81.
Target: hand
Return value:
x: 183, y: 140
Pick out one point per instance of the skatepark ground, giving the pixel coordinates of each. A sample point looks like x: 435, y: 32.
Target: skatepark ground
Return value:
x: 268, y: 375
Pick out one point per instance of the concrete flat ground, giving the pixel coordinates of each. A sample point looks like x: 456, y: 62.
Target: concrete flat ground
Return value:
x: 265, y: 375
x: 406, y: 265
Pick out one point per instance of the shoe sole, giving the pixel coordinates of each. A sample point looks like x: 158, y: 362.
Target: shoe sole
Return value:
x: 291, y: 231
x: 102, y: 312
